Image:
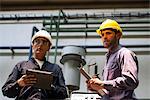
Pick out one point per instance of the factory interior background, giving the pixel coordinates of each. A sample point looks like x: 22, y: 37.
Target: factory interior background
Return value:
x: 74, y: 23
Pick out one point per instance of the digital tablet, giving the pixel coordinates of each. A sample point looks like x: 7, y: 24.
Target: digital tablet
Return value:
x: 44, y: 78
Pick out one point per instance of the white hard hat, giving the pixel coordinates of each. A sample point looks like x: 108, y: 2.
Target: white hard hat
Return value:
x: 44, y: 34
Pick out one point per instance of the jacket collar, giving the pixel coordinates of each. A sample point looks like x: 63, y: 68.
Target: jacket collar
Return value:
x: 34, y: 61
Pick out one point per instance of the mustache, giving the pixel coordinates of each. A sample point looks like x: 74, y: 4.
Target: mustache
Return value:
x: 105, y: 41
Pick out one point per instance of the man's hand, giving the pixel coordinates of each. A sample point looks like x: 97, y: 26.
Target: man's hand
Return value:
x: 95, y: 84
x: 27, y: 80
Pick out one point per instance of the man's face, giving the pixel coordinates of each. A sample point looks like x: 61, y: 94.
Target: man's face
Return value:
x: 109, y: 39
x: 39, y: 47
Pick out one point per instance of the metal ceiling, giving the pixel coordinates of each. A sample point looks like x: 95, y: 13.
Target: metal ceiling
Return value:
x: 11, y: 5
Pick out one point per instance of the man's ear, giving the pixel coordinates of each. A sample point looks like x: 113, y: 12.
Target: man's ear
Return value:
x: 48, y: 48
x: 32, y: 45
x: 119, y: 35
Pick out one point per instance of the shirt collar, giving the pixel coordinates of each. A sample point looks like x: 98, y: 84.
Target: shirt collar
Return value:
x: 34, y: 61
x: 115, y: 50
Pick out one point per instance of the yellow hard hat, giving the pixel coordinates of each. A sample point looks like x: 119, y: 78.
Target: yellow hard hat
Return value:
x: 109, y: 24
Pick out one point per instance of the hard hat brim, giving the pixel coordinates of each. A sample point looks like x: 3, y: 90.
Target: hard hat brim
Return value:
x: 37, y: 36
x: 111, y: 27
x: 98, y: 31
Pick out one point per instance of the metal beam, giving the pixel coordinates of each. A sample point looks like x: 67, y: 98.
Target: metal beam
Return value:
x: 98, y: 53
x: 141, y: 52
x: 60, y: 47
x: 75, y: 16
x: 94, y: 29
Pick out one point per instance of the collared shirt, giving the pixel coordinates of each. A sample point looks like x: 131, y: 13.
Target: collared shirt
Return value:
x: 11, y: 88
x: 121, y: 74
x: 40, y: 63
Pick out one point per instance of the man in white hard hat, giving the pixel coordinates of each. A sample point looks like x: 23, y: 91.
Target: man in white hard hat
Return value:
x: 19, y: 85
x: 120, y: 73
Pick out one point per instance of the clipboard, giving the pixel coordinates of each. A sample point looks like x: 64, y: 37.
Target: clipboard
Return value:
x: 88, y: 77
x: 44, y: 79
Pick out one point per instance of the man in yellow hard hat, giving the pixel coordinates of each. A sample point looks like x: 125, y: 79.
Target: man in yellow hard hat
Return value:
x: 20, y: 85
x: 120, y: 73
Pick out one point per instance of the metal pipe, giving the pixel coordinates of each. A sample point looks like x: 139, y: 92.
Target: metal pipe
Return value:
x: 92, y: 29
x: 57, y: 30
x: 64, y: 15
x: 75, y: 16
x: 98, y: 21
x: 50, y: 33
x: 34, y: 29
x: 60, y: 47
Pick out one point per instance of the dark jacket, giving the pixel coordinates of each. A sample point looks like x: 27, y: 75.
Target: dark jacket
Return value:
x: 11, y: 88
